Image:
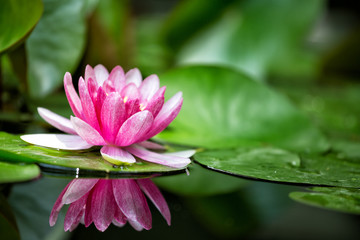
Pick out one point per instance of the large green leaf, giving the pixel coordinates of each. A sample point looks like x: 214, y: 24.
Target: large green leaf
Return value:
x: 56, y: 45
x: 254, y: 36
x: 17, y: 19
x: 89, y: 163
x: 17, y: 172
x: 340, y: 199
x: 271, y: 164
x: 223, y: 108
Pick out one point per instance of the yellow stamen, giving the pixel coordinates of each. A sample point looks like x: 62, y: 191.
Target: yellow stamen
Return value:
x: 142, y: 107
x: 125, y: 99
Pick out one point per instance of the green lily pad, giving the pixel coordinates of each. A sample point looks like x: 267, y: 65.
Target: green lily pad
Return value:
x: 75, y: 163
x: 17, y: 172
x: 340, y: 199
x: 277, y: 165
x: 224, y: 108
x: 17, y: 20
x: 52, y: 51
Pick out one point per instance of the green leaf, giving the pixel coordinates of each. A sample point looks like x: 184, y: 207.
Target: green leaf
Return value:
x: 340, y: 199
x: 223, y: 108
x: 188, y: 17
x: 55, y: 46
x: 8, y: 226
x: 251, y: 36
x: 17, y: 20
x: 200, y: 182
x: 10, y: 172
x: 277, y: 165
x: 72, y: 163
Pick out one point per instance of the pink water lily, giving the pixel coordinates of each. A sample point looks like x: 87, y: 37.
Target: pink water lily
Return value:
x: 117, y: 111
x: 104, y: 201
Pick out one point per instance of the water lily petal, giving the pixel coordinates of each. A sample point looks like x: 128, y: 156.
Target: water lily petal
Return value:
x: 166, y: 115
x: 134, y: 128
x: 87, y: 214
x: 112, y: 116
x: 72, y: 96
x: 58, y: 141
x: 101, y: 74
x: 77, y: 221
x: 89, y: 73
x: 61, y: 123
x: 103, y: 204
x: 89, y: 114
x: 87, y: 132
x: 74, y: 213
x: 184, y: 154
x: 117, y: 155
x: 154, y: 194
x: 92, y: 88
x: 167, y: 160
x: 136, y: 225
x: 151, y: 145
x: 57, y: 207
x: 134, y: 76
x: 78, y: 188
x: 149, y: 87
x: 119, y: 218
x: 155, y: 104
x: 132, y: 201
x: 117, y: 77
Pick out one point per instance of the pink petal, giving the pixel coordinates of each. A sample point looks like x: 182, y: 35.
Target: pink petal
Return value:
x: 77, y: 189
x: 117, y: 156
x: 156, y: 102
x: 154, y: 194
x: 57, y: 207
x: 103, y: 204
x: 131, y: 95
x: 166, y: 115
x: 101, y: 74
x: 167, y: 160
x: 88, y: 219
x: 74, y: 213
x: 132, y: 202
x: 87, y: 132
x: 134, y: 128
x: 151, y: 145
x: 134, y: 76
x: 136, y: 225
x: 184, y: 154
x: 57, y: 121
x: 92, y: 88
x: 90, y: 115
x: 117, y: 77
x: 89, y: 73
x: 149, y: 87
x: 119, y: 218
x: 58, y: 141
x: 112, y: 116
x: 72, y: 96
x: 77, y: 221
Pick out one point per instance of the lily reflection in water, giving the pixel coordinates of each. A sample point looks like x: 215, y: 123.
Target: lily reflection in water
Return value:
x: 106, y: 201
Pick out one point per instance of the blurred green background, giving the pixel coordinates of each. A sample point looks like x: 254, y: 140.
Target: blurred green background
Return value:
x: 277, y: 80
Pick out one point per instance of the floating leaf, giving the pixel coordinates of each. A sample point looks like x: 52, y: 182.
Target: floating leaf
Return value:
x: 74, y: 163
x: 276, y: 165
x: 17, y: 19
x: 223, y: 108
x: 340, y: 199
x: 10, y: 172
x: 56, y: 45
